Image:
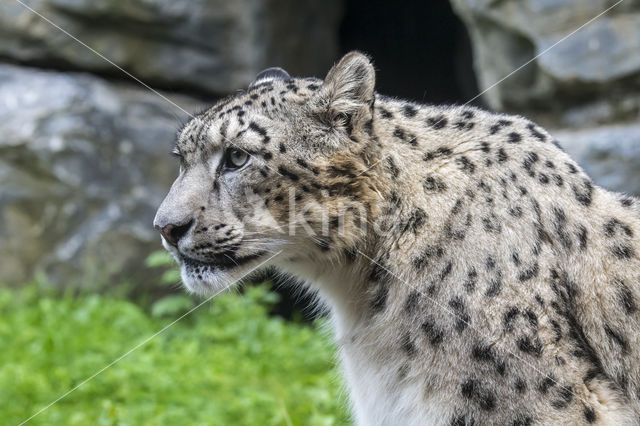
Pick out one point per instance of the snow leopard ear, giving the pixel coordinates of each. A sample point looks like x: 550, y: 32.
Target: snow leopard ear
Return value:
x: 347, y: 94
x: 270, y: 74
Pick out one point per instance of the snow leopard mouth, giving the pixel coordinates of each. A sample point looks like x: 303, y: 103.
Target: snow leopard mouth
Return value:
x: 222, y: 261
x: 206, y: 277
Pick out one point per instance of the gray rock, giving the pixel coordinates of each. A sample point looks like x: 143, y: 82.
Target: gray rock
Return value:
x: 83, y: 166
x: 215, y: 46
x: 609, y: 154
x: 603, y: 51
x: 599, y: 62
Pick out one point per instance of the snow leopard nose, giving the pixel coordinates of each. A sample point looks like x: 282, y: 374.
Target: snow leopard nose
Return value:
x: 173, y: 233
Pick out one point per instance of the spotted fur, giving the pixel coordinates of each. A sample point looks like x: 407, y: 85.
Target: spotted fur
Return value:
x: 474, y: 273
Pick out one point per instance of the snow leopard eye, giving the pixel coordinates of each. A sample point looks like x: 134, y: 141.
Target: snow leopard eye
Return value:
x: 235, y: 158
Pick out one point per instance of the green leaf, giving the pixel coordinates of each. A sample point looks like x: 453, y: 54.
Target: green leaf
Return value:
x: 159, y: 258
x: 170, y: 277
x: 172, y: 306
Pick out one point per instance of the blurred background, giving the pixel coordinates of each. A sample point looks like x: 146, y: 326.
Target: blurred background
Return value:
x: 84, y: 163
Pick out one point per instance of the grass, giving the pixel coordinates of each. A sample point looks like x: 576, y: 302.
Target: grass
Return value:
x: 228, y: 363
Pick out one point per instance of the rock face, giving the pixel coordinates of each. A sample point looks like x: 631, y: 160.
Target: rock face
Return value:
x: 210, y: 46
x: 83, y: 166
x: 84, y: 161
x: 583, y: 81
x: 609, y: 154
x: 575, y: 66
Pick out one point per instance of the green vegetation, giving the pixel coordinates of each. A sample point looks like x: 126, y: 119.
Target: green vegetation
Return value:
x: 227, y: 363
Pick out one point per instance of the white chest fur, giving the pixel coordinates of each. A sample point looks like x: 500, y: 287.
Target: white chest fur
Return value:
x: 380, y: 392
x: 383, y: 394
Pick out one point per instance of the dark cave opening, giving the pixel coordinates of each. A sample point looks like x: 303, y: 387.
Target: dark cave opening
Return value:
x: 420, y: 48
